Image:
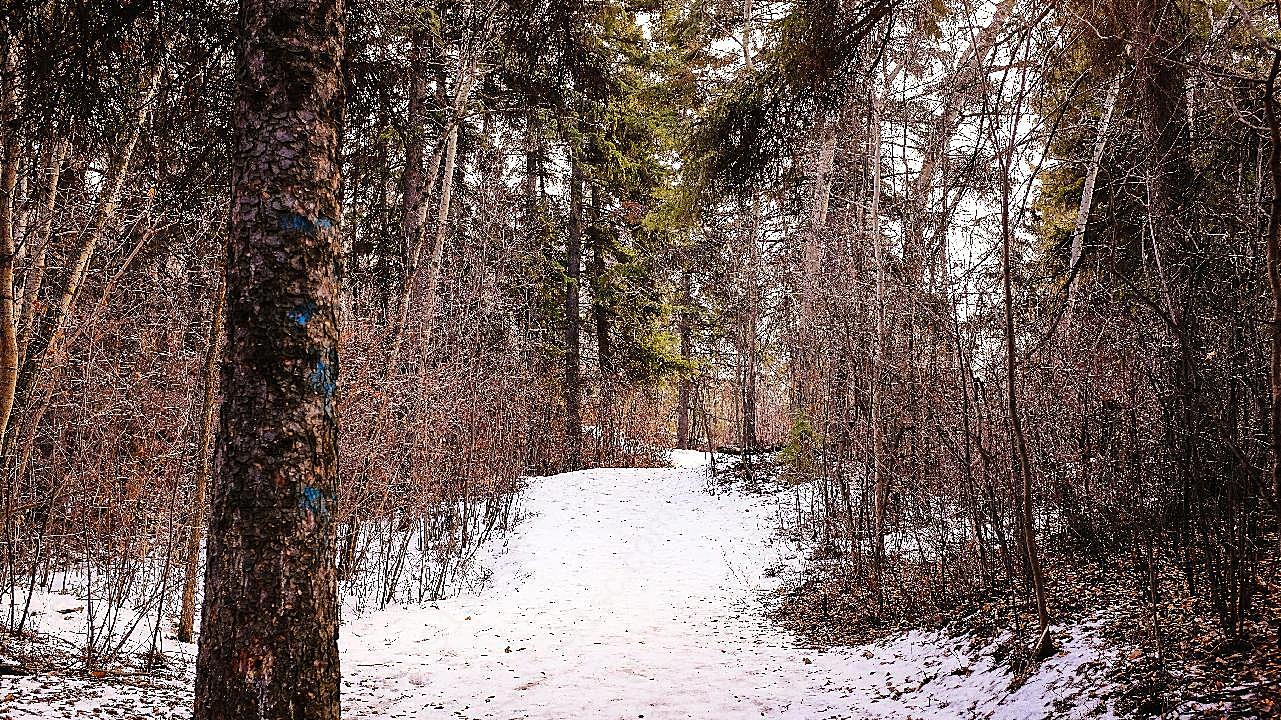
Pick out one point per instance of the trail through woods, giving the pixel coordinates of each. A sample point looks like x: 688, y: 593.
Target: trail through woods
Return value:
x: 630, y: 593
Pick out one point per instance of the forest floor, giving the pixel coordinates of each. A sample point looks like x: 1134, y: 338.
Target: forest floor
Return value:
x: 626, y: 593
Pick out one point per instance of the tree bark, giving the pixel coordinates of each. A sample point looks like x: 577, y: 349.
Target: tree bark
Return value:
x: 683, y: 410
x: 411, y: 226
x: 751, y: 327
x: 432, y: 291
x: 1022, y: 467
x: 446, y: 151
x: 751, y: 330
x: 412, y: 186
x: 269, y: 636
x: 604, y: 344
x: 38, y: 255
x: 806, y: 356
x: 880, y: 478
x: 187, y: 616
x: 573, y: 459
x: 1274, y: 269
x: 8, y: 249
x: 1087, y: 192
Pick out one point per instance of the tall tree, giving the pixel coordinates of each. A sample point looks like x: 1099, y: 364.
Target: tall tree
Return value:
x: 573, y: 274
x: 204, y: 465
x: 8, y: 181
x: 1273, y: 244
x: 269, y: 641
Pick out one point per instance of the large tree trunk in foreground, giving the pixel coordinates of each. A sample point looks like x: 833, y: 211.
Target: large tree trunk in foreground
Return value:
x: 268, y: 645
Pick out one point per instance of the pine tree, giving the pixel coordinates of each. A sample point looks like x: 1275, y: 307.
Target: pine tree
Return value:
x: 268, y: 646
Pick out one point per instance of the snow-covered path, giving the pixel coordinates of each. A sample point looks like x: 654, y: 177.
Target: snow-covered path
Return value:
x: 632, y: 593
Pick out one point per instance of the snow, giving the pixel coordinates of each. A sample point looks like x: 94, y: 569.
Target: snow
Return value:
x: 64, y: 616
x: 635, y: 593
x: 630, y: 593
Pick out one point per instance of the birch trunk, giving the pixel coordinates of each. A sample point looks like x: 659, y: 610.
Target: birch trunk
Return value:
x: 446, y: 151
x: 1087, y: 192
x: 38, y: 254
x: 8, y: 182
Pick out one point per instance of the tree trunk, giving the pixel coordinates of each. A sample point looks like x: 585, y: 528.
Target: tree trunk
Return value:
x: 1160, y: 84
x: 1023, y: 468
x: 269, y: 636
x: 683, y: 410
x: 1087, y: 192
x: 412, y: 186
x: 806, y: 354
x: 411, y: 225
x: 604, y: 346
x: 34, y: 277
x: 752, y: 329
x: 187, y: 617
x: 880, y: 478
x: 573, y: 459
x: 432, y: 291
x: 446, y: 151
x: 8, y: 181
x: 1274, y: 269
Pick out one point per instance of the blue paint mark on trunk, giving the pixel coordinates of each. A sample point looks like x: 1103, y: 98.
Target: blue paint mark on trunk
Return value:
x: 303, y: 312
x: 302, y: 224
x: 324, y: 378
x: 315, y: 501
